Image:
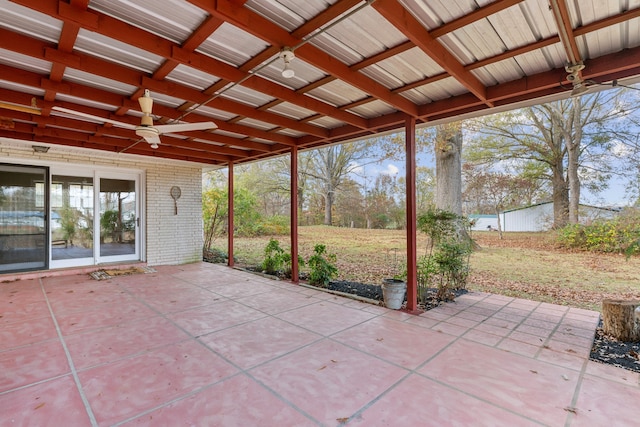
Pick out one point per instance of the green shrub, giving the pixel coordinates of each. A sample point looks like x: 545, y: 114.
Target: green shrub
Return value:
x: 273, y: 257
x: 322, y: 266
x: 619, y: 235
x: 277, y: 261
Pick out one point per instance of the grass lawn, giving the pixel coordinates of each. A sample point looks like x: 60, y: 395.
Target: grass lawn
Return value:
x: 525, y: 265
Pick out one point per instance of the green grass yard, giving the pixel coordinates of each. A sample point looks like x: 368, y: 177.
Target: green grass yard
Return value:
x: 526, y: 265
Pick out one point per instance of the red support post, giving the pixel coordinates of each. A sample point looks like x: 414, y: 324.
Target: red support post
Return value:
x: 412, y: 259
x: 294, y: 215
x: 230, y: 226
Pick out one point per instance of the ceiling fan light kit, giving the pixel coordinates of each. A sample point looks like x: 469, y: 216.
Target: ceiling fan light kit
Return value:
x: 287, y: 55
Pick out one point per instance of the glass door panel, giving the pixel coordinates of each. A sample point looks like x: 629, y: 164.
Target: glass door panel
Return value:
x: 23, y: 218
x: 118, y: 219
x: 72, y: 218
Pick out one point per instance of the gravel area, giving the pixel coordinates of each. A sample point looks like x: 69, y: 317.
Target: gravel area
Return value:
x: 613, y: 352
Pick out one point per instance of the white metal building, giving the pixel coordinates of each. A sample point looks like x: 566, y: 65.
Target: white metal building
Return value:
x: 539, y: 217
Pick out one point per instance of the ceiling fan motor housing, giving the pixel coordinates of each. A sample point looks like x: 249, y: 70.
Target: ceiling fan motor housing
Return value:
x: 147, y: 131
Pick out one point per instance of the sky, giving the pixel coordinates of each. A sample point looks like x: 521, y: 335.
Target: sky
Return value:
x: 614, y: 196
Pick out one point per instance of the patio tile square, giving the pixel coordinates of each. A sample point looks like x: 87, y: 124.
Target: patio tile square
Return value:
x: 396, y: 342
x: 492, y: 329
x: 482, y: 337
x: 571, y: 338
x: 519, y: 347
x: 239, y: 289
x: 434, y: 404
x: 27, y: 331
x: 15, y: 297
x: 612, y: 373
x: 217, y: 316
x: 606, y: 403
x: 562, y: 357
x: 29, y: 364
x: 11, y: 312
x: 328, y: 380
x: 277, y: 301
x: 534, y: 389
x: 450, y: 329
x: 182, y: 299
x: 253, y: 343
x: 422, y: 321
x: 527, y: 338
x: 472, y: 316
x: 534, y: 330
x: 326, y: 318
x: 52, y: 403
x: 461, y: 321
x: 235, y: 402
x: 112, y: 343
x: 101, y: 316
x: 122, y: 389
x: 84, y: 301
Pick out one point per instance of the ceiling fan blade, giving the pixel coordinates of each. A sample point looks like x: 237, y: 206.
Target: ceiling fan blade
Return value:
x: 94, y: 118
x: 185, y: 127
x: 21, y: 108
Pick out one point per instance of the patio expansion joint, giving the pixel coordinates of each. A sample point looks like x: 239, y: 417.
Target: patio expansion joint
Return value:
x: 72, y: 366
x: 572, y: 408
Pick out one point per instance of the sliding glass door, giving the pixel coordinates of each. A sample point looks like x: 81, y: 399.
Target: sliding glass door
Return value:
x: 69, y: 218
x: 23, y: 218
x: 119, y: 218
x: 72, y: 225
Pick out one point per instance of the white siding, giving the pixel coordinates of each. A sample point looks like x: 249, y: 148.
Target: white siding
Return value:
x: 170, y: 238
x: 533, y: 218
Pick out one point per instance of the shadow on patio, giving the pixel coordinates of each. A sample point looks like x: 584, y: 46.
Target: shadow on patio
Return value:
x: 203, y: 344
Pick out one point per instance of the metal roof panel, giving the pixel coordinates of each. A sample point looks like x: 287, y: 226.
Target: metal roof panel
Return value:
x: 95, y: 44
x: 172, y: 19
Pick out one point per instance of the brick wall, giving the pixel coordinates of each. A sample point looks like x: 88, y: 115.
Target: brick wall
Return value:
x: 169, y: 238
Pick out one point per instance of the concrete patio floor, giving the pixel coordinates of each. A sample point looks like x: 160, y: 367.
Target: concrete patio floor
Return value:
x: 205, y: 345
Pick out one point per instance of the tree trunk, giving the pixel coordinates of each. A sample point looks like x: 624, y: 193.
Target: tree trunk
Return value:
x: 620, y: 321
x: 560, y: 199
x: 448, y: 154
x: 499, y: 223
x: 328, y: 205
x: 573, y: 139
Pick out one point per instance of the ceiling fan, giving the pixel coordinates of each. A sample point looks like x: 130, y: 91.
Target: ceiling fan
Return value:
x: 146, y: 129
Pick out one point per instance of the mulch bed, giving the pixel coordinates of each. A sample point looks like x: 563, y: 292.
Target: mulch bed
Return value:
x: 613, y: 352
x: 374, y: 292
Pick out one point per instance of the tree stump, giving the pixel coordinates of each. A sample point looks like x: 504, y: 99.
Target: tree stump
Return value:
x: 619, y: 320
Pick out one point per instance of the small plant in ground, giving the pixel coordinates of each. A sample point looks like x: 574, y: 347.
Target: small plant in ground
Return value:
x: 446, y: 264
x: 277, y: 261
x: 273, y: 257
x: 322, y: 266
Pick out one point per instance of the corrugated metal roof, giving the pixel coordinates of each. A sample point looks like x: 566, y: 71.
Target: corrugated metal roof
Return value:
x: 359, y: 66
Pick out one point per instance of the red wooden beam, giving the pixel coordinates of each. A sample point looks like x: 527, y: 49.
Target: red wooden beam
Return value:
x: 230, y: 214
x: 415, y: 31
x: 294, y: 215
x: 412, y: 260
